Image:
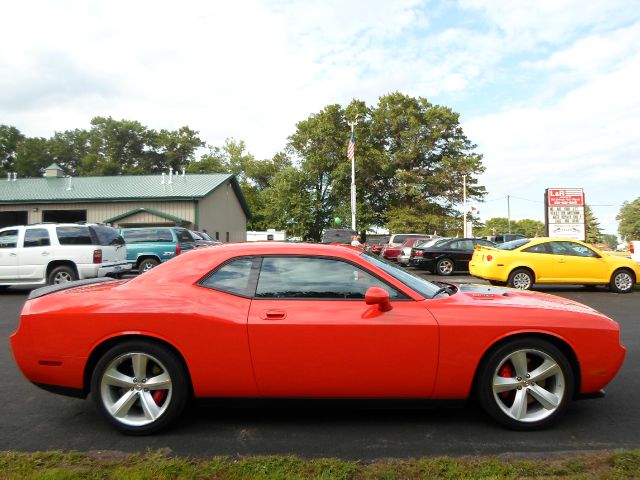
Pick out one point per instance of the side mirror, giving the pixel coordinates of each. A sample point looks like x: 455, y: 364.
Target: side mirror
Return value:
x: 378, y: 296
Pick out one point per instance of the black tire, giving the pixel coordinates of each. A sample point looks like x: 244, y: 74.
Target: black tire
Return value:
x: 62, y: 274
x: 445, y: 267
x: 147, y: 264
x: 521, y: 278
x: 622, y: 281
x: 516, y: 402
x: 160, y: 363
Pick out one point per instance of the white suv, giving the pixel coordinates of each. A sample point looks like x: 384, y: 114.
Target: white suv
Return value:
x: 58, y: 253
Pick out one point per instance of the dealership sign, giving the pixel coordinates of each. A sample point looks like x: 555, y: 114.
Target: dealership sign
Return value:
x: 564, y: 213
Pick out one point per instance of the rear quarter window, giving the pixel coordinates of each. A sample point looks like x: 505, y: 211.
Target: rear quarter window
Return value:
x: 74, y: 235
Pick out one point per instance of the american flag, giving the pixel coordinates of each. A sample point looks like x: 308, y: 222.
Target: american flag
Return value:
x: 351, y: 151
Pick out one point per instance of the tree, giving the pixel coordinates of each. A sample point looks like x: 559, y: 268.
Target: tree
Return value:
x: 611, y: 240
x: 10, y: 138
x: 32, y: 156
x: 527, y: 227
x: 629, y: 218
x: 592, y: 226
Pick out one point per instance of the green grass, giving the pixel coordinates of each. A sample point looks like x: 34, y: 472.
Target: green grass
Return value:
x: 160, y: 466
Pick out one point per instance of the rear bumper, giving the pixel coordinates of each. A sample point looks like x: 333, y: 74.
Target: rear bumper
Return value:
x: 102, y: 269
x: 426, y: 263
x: 488, y: 273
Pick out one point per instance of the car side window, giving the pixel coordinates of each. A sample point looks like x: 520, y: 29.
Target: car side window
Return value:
x: 233, y: 277
x: 539, y: 248
x: 9, y: 239
x: 184, y: 236
x: 36, y: 237
x: 577, y: 250
x: 74, y: 236
x: 326, y: 278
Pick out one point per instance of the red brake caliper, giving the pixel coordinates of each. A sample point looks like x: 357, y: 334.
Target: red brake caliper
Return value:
x: 506, y: 371
x: 159, y: 396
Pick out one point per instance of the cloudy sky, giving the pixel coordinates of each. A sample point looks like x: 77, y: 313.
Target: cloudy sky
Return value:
x: 548, y: 89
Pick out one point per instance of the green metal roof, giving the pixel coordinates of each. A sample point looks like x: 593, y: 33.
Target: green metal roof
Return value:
x: 115, y: 188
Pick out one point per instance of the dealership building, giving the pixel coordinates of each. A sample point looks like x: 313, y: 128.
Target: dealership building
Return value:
x: 211, y: 202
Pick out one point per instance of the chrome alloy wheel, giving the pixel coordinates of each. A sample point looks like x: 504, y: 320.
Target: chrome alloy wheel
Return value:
x: 147, y: 266
x: 528, y: 385
x: 522, y: 280
x: 62, y: 277
x: 623, y: 281
x: 445, y: 267
x: 136, y: 389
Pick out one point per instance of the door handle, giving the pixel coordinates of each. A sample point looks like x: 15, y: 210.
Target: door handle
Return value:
x: 44, y: 254
x: 13, y: 254
x: 562, y: 261
x: 273, y: 315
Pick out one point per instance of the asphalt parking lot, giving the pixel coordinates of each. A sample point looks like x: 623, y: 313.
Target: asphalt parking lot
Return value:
x: 32, y: 419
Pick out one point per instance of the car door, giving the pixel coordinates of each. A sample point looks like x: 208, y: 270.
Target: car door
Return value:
x: 311, y: 333
x: 460, y: 251
x: 541, y: 260
x: 9, y: 255
x: 577, y: 263
x: 35, y: 254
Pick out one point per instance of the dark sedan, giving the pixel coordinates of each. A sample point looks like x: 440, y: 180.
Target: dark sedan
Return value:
x: 446, y: 256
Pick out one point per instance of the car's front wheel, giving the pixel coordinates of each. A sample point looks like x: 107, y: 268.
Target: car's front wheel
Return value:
x: 139, y: 387
x: 526, y: 384
x: 622, y: 281
x: 521, y: 278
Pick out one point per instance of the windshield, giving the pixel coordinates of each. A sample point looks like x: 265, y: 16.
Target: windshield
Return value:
x: 513, y: 244
x: 433, y: 242
x: 411, y: 280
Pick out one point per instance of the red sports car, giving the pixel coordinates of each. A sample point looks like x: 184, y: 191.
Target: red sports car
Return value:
x: 304, y: 320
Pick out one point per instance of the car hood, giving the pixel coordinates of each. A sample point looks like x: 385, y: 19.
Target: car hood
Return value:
x: 511, y: 297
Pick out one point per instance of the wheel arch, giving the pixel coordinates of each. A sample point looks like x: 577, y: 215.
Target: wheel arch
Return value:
x: 100, y: 349
x: 143, y: 256
x: 625, y: 269
x: 556, y: 341
x: 61, y: 263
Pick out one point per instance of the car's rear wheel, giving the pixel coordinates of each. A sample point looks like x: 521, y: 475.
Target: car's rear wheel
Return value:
x: 147, y: 264
x: 526, y: 384
x: 139, y: 387
x: 622, y: 281
x: 62, y: 274
x: 521, y: 278
x: 444, y: 266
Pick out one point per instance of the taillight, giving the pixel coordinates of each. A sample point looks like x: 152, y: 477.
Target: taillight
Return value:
x: 631, y: 249
x: 489, y: 258
x: 97, y: 256
x: 177, y: 249
x: 419, y: 253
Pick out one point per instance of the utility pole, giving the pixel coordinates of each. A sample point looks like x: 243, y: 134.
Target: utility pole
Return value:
x: 509, y: 213
x: 351, y: 153
x: 464, y: 206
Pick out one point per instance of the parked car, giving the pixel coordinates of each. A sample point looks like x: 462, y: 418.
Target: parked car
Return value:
x: 405, y: 249
x: 338, y: 235
x: 634, y: 250
x: 56, y: 253
x: 447, y: 256
x: 504, y: 237
x: 375, y: 245
x: 148, y: 247
x: 391, y: 250
x: 523, y: 263
x: 200, y: 240
x: 286, y: 320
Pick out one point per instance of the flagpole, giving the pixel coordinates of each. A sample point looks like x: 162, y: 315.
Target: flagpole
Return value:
x: 353, y: 174
x: 464, y: 206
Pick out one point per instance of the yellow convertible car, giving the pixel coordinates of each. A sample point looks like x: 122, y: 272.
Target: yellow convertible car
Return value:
x: 525, y: 262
